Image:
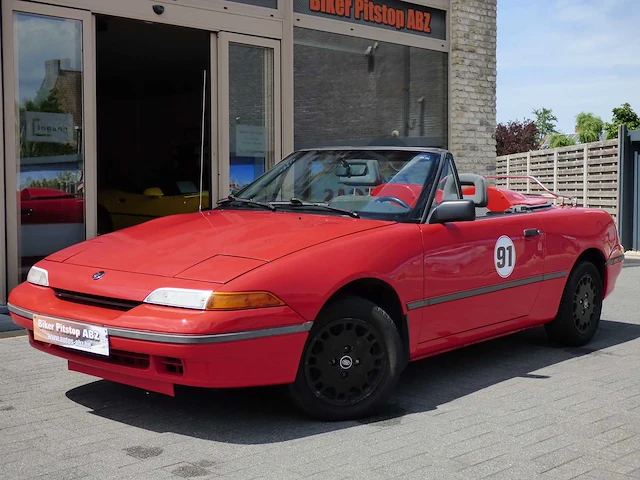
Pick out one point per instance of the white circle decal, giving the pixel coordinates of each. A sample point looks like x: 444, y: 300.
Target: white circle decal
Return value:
x: 504, y: 256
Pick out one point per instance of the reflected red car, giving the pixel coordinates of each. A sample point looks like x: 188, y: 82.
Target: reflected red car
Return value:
x: 40, y: 205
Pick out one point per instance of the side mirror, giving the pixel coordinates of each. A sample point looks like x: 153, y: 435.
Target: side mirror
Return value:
x: 453, y: 211
x: 153, y: 192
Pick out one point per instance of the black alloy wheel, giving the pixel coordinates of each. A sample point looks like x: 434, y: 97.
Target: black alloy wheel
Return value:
x: 580, y: 307
x: 350, y: 363
x: 345, y: 362
x: 584, y: 303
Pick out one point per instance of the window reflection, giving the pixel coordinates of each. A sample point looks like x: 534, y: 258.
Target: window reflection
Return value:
x: 353, y: 91
x: 251, y: 105
x: 51, y: 151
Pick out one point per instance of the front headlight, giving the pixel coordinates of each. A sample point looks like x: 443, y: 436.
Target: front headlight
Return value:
x: 210, y: 300
x: 38, y: 276
x: 179, y: 297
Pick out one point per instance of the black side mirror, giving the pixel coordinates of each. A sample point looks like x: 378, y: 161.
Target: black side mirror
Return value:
x: 453, y: 211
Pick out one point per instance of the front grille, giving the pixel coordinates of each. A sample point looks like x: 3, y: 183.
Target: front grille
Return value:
x: 96, y: 300
x: 129, y: 359
x: 116, y: 357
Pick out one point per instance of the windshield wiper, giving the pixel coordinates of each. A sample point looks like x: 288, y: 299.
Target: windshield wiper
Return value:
x: 232, y: 198
x: 296, y: 202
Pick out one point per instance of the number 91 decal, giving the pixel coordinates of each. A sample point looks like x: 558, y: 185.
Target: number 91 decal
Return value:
x: 504, y: 256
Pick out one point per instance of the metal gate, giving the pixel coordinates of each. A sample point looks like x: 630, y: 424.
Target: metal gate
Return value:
x: 629, y: 189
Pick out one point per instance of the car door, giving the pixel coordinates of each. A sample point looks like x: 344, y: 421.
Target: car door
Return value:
x: 480, y: 273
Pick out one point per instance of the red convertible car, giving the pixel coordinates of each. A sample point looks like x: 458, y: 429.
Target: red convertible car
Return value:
x: 278, y: 285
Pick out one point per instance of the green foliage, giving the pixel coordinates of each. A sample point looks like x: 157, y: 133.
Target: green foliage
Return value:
x: 49, y: 104
x: 545, y: 122
x: 560, y: 140
x: 590, y: 127
x: 622, y: 115
x: 58, y: 182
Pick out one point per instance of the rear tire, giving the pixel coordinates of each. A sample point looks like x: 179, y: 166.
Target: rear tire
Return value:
x: 351, y: 361
x: 580, y: 307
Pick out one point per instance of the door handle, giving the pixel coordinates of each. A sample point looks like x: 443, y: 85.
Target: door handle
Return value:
x: 531, y: 232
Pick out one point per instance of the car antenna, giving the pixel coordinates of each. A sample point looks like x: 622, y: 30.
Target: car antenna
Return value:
x: 204, y: 98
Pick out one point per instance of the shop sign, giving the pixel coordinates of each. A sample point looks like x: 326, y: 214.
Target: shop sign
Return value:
x: 49, y: 127
x: 389, y: 14
x: 251, y: 141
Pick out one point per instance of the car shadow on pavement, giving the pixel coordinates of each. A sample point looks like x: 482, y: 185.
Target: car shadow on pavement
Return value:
x: 266, y: 415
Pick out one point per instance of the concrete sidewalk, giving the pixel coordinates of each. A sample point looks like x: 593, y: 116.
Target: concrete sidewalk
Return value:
x: 513, y: 408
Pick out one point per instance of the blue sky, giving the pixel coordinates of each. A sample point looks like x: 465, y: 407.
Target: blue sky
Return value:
x: 567, y: 55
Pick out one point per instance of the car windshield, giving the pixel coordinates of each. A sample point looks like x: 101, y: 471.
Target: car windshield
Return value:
x: 372, y: 183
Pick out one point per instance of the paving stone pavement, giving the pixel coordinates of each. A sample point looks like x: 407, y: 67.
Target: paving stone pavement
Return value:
x: 513, y: 408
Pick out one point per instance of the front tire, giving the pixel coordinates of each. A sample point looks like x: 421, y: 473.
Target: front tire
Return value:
x: 351, y: 361
x: 580, y: 307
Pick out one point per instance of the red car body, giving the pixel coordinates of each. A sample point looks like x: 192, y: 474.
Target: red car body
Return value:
x: 438, y: 281
x: 47, y: 205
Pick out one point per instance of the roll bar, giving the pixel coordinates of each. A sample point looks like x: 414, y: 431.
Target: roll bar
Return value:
x: 548, y: 193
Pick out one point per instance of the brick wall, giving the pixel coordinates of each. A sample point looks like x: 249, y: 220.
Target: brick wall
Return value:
x: 473, y: 84
x: 341, y: 97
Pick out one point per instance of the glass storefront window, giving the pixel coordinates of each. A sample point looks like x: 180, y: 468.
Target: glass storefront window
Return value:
x: 150, y: 126
x: 49, y: 96
x: 355, y: 91
x: 251, y: 120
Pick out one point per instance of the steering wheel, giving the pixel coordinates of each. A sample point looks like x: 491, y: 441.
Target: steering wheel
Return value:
x: 388, y: 198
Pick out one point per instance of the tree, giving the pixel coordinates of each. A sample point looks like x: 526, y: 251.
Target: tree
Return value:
x: 545, y: 122
x: 560, y: 140
x: 516, y: 137
x: 590, y: 127
x: 58, y: 182
x: 622, y: 115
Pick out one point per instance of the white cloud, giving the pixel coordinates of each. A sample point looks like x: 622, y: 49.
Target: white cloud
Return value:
x: 598, y: 94
x: 568, y: 55
x: 41, y: 39
x: 574, y: 33
x: 584, y: 11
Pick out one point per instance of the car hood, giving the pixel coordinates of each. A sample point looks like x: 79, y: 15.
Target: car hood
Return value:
x: 196, y: 245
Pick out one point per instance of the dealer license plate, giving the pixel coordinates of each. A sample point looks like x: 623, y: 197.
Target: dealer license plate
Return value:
x: 70, y: 334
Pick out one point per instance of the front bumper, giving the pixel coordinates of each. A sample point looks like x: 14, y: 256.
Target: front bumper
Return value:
x: 174, y: 350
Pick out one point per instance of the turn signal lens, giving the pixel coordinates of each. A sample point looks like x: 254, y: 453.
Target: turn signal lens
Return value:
x: 38, y: 276
x: 242, y: 300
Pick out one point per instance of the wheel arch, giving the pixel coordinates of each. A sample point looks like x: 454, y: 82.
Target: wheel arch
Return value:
x: 596, y: 257
x: 385, y: 296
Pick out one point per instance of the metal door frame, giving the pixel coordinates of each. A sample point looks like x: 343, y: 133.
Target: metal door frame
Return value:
x: 11, y: 140
x: 224, y: 39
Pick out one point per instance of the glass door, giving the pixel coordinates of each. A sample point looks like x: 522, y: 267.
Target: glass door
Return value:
x: 49, y: 136
x: 249, y: 108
